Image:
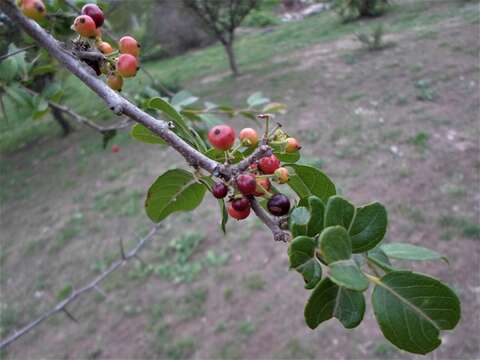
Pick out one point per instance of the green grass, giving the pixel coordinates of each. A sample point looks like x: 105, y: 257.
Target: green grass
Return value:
x: 461, y: 225
x: 118, y: 202
x: 192, y: 305
x: 254, y: 282
x: 246, y: 328
x: 294, y: 349
x: 68, y: 232
x: 420, y: 141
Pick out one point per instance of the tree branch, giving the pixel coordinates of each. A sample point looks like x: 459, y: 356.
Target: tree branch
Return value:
x: 93, y: 285
x: 278, y: 233
x: 83, y: 120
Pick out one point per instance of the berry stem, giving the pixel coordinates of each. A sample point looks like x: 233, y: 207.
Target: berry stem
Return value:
x: 278, y: 126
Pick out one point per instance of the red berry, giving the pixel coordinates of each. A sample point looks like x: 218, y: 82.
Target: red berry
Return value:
x: 241, y: 204
x: 221, y: 137
x: 127, y: 65
x: 278, y: 205
x: 282, y: 175
x: 115, y: 81
x: 246, y: 184
x: 269, y: 164
x: 262, y: 183
x: 292, y: 145
x: 248, y: 137
x: 84, y: 26
x: 239, y: 215
x: 115, y: 148
x: 34, y: 9
x: 219, y: 190
x: 128, y: 45
x: 95, y: 13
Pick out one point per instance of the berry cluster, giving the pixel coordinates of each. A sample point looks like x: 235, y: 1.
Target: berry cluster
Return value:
x: 117, y: 65
x: 257, y: 180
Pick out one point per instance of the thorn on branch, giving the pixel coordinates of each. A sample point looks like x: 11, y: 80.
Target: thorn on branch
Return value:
x: 69, y: 315
x: 122, y: 251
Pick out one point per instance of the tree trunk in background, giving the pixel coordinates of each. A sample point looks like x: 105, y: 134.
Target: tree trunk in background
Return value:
x: 231, y: 57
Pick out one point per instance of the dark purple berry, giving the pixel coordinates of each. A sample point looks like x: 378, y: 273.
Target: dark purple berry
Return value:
x: 219, y: 190
x: 246, y: 183
x: 278, y: 205
x: 241, y: 204
x: 95, y: 13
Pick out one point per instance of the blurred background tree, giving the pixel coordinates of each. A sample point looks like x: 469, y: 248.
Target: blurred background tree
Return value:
x: 223, y: 18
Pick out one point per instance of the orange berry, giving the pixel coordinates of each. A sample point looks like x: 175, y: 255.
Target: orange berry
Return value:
x: 105, y: 48
x: 33, y: 9
x: 84, y: 26
x: 248, y: 137
x: 292, y: 145
x: 127, y: 65
x: 128, y: 45
x: 281, y: 175
x: 115, y: 81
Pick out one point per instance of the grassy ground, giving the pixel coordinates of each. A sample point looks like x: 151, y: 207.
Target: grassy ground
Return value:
x: 399, y: 126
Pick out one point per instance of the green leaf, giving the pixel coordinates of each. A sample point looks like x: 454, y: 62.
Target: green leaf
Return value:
x: 182, y: 99
x: 317, y: 211
x: 330, y: 300
x: 223, y: 209
x: 144, y: 134
x: 175, y: 190
x: 53, y: 92
x: 412, y: 308
x: 339, y: 212
x: 210, y: 120
x: 172, y: 114
x: 335, y: 244
x: 379, y: 258
x: 238, y: 155
x: 404, y: 251
x: 347, y: 274
x: 301, y: 254
x: 257, y: 99
x: 44, y: 69
x: 298, y: 221
x: 308, y: 180
x: 8, y: 69
x: 108, y: 136
x: 369, y: 227
x: 287, y: 157
x: 275, y: 107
